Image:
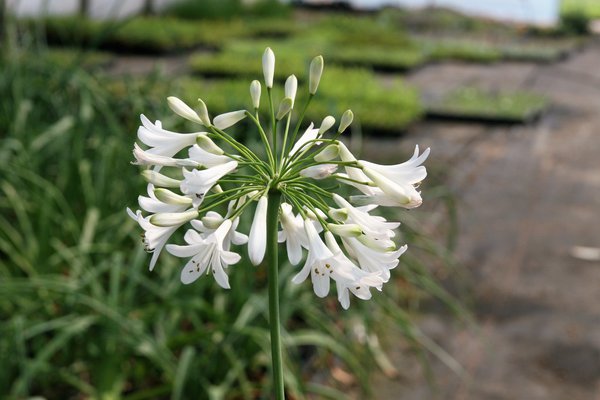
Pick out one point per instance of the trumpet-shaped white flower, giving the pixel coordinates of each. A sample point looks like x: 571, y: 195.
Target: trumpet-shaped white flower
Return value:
x: 154, y: 237
x: 208, y: 255
x: 162, y: 141
x: 318, y: 262
x: 257, y: 240
x: 206, y: 158
x: 349, y: 278
x: 372, y: 260
x: 292, y: 233
x: 197, y: 183
x: 212, y: 221
x: 374, y: 226
x: 146, y: 158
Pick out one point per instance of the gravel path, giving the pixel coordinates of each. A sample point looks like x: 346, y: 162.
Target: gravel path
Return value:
x: 529, y: 198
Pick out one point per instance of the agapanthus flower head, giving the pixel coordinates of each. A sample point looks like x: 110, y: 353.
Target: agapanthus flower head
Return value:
x: 207, y: 179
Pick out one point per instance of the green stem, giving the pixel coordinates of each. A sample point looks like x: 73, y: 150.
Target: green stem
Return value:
x: 274, y: 318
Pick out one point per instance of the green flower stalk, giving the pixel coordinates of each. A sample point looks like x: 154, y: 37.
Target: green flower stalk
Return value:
x: 221, y: 178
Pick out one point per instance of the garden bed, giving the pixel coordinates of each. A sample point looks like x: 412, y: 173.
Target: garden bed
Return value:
x: 475, y: 105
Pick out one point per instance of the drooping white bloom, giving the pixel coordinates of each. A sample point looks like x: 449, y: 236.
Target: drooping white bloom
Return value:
x: 205, y: 158
x: 268, y: 64
x: 374, y: 226
x: 397, y: 182
x: 212, y: 221
x: 208, y: 255
x: 314, y: 75
x: 224, y: 121
x: 197, y: 183
x: 161, y: 141
x: 154, y: 237
x: 372, y: 260
x: 318, y: 262
x: 183, y: 110
x: 350, y: 278
x: 292, y: 233
x: 320, y: 171
x: 257, y: 239
x: 145, y: 158
x: 255, y: 93
x: 291, y: 87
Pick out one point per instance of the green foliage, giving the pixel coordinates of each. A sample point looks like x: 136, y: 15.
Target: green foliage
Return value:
x: 471, y: 102
x: 575, y: 22
x: 226, y: 9
x: 590, y: 8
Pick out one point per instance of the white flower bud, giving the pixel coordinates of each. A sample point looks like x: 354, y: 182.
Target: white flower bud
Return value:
x: 346, y: 120
x: 212, y: 221
x: 338, y: 214
x: 183, y: 110
x: 284, y: 107
x: 203, y: 113
x: 172, y: 219
x: 158, y: 179
x: 224, y: 121
x: 268, y: 63
x: 291, y: 86
x: 382, y: 245
x: 315, y: 72
x: 310, y: 214
x: 255, y: 93
x: 206, y: 144
x: 327, y: 123
x: 169, y: 197
x: 345, y: 230
x: 321, y: 171
x: 328, y: 153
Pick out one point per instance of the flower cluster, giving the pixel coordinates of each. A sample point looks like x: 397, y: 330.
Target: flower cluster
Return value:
x: 191, y: 179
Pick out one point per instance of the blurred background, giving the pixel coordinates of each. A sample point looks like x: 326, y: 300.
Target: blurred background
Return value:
x: 498, y: 296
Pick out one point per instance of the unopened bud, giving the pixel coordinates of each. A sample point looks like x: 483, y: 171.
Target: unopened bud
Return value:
x: 315, y: 72
x: 224, y: 121
x: 255, y: 93
x: 284, y: 107
x: 291, y: 86
x: 206, y: 144
x: 158, y: 179
x: 183, y: 110
x: 268, y: 63
x: 327, y: 123
x: 346, y: 120
x: 328, y: 153
x: 203, y: 113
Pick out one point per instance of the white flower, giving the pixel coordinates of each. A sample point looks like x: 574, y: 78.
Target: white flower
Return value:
x: 318, y: 262
x: 350, y: 278
x: 268, y: 63
x: 284, y: 108
x: 328, y: 153
x: 206, y: 158
x: 373, y: 226
x: 154, y: 237
x: 291, y: 86
x: 208, y: 255
x: 162, y: 141
x: 257, y: 239
x: 173, y: 218
x: 397, y: 182
x: 146, y: 158
x: 224, y: 121
x: 292, y: 233
x: 197, y: 183
x: 320, y: 171
x: 372, y: 260
x: 212, y: 221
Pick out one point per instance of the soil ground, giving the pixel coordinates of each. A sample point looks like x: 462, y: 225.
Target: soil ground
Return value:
x: 528, y: 199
